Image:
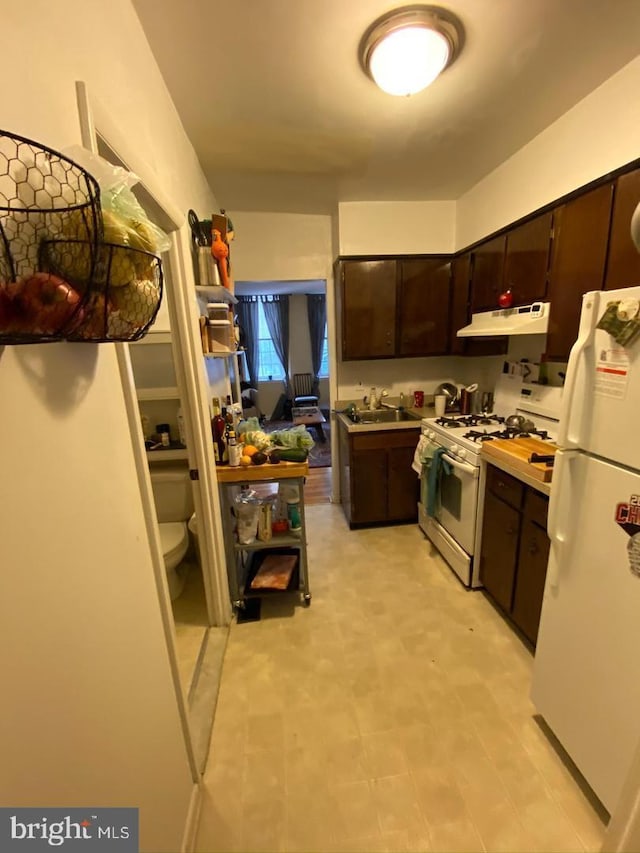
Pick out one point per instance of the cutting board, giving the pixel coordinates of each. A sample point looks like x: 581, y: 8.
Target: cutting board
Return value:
x: 517, y: 451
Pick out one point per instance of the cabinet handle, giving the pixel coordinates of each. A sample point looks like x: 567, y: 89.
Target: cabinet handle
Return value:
x: 511, y: 531
x: 533, y: 548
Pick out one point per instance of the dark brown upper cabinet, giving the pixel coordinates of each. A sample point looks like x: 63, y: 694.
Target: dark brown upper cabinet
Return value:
x: 487, y: 274
x: 581, y: 233
x: 460, y: 282
x: 623, y: 260
x: 369, y: 304
x: 461, y: 314
x: 423, y: 314
x: 526, y: 262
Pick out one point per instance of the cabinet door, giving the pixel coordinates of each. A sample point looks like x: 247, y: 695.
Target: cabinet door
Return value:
x: 460, y: 314
x: 499, y: 551
x: 623, y: 260
x: 487, y: 274
x: 532, y: 570
x: 527, y: 260
x: 581, y: 230
x: 423, y: 315
x: 403, y: 491
x: 368, y: 486
x: 460, y: 282
x: 368, y: 309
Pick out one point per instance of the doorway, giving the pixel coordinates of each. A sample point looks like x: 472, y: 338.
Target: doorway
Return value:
x: 304, y: 298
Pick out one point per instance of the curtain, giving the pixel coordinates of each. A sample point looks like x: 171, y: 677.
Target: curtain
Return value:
x: 317, y: 315
x: 276, y: 312
x: 247, y: 311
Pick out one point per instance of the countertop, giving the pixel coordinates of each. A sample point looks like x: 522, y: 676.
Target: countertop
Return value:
x: 538, y: 485
x: 255, y: 473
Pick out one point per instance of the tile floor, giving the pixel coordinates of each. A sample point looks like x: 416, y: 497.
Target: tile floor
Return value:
x: 393, y: 714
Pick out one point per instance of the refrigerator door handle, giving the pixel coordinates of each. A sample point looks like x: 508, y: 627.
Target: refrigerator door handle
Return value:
x: 568, y: 437
x: 559, y: 509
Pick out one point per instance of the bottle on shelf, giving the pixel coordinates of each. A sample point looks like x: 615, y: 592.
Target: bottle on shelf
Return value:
x: 293, y: 515
x: 164, y: 431
x: 233, y: 449
x: 225, y: 436
x: 181, y: 430
x: 217, y: 432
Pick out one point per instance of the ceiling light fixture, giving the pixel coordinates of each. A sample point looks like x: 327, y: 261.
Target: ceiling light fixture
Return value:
x: 405, y: 50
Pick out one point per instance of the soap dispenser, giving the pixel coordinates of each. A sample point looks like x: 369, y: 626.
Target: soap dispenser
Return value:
x: 373, y: 400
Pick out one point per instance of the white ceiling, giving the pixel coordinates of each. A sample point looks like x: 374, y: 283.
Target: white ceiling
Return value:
x: 283, y: 118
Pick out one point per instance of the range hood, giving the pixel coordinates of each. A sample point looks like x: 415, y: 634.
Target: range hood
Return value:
x: 525, y: 320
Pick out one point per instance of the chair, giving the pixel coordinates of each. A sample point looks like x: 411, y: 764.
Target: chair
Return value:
x: 303, y: 395
x: 249, y: 398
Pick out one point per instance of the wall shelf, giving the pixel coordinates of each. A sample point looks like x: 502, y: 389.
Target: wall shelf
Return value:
x: 158, y: 393
x: 217, y: 293
x: 154, y: 338
x: 167, y: 455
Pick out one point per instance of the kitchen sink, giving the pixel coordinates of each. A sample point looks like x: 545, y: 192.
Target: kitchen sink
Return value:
x: 382, y: 416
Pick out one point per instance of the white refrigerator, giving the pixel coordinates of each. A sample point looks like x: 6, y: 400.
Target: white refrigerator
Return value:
x: 586, y: 680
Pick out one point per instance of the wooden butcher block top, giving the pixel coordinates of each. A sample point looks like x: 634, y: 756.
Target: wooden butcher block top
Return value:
x: 517, y: 452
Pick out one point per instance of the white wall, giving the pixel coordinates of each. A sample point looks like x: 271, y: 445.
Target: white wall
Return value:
x: 280, y: 246
x: 88, y: 712
x: 599, y: 134
x: 396, y: 227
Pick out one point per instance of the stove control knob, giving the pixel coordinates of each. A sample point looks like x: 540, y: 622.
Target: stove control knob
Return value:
x: 462, y: 453
x: 454, y: 448
x: 431, y: 434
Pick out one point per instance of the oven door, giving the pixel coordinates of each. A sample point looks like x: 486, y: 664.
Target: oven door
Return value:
x: 457, y: 501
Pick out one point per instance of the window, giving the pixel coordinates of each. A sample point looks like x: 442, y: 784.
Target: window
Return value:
x: 270, y: 367
x: 324, y: 364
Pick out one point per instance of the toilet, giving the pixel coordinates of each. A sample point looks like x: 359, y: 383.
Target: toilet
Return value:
x: 174, y: 507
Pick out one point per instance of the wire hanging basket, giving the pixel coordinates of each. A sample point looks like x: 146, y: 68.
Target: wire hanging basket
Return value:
x: 43, y: 196
x: 124, y: 292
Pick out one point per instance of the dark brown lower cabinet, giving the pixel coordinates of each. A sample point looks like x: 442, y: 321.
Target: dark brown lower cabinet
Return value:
x: 515, y: 549
x: 499, y: 555
x: 531, y: 574
x: 377, y: 482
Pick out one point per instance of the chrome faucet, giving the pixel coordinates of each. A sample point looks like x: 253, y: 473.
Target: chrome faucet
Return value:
x: 382, y: 402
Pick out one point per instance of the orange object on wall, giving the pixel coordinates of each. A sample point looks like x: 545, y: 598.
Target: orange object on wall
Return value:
x: 220, y: 252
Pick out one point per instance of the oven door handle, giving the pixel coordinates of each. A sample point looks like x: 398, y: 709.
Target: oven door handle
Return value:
x: 462, y: 466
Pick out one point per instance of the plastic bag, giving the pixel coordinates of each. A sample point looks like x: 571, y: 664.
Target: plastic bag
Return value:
x: 247, y: 511
x: 125, y: 220
x: 297, y: 438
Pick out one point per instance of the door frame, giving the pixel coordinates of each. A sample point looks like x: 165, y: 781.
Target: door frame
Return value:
x: 183, y: 319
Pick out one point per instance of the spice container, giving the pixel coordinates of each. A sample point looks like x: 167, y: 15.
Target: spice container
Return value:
x: 164, y: 431
x: 264, y: 523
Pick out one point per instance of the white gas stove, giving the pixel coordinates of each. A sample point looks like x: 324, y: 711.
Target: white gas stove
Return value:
x: 449, y: 518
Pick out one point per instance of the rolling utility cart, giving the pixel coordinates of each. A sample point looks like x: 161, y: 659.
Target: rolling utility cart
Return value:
x: 244, y: 560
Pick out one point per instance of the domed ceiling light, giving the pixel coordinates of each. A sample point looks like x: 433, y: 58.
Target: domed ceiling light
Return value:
x: 405, y: 50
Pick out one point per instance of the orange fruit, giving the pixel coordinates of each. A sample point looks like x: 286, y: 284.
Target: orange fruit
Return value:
x: 249, y: 450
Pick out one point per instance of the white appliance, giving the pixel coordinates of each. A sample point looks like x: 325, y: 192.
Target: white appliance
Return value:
x: 586, y: 681
x: 454, y: 527
x: 524, y: 320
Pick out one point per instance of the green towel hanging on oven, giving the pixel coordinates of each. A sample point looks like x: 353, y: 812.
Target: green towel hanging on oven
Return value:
x: 436, y: 468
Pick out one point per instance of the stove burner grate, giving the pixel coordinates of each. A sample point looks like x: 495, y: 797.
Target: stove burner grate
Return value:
x: 506, y: 433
